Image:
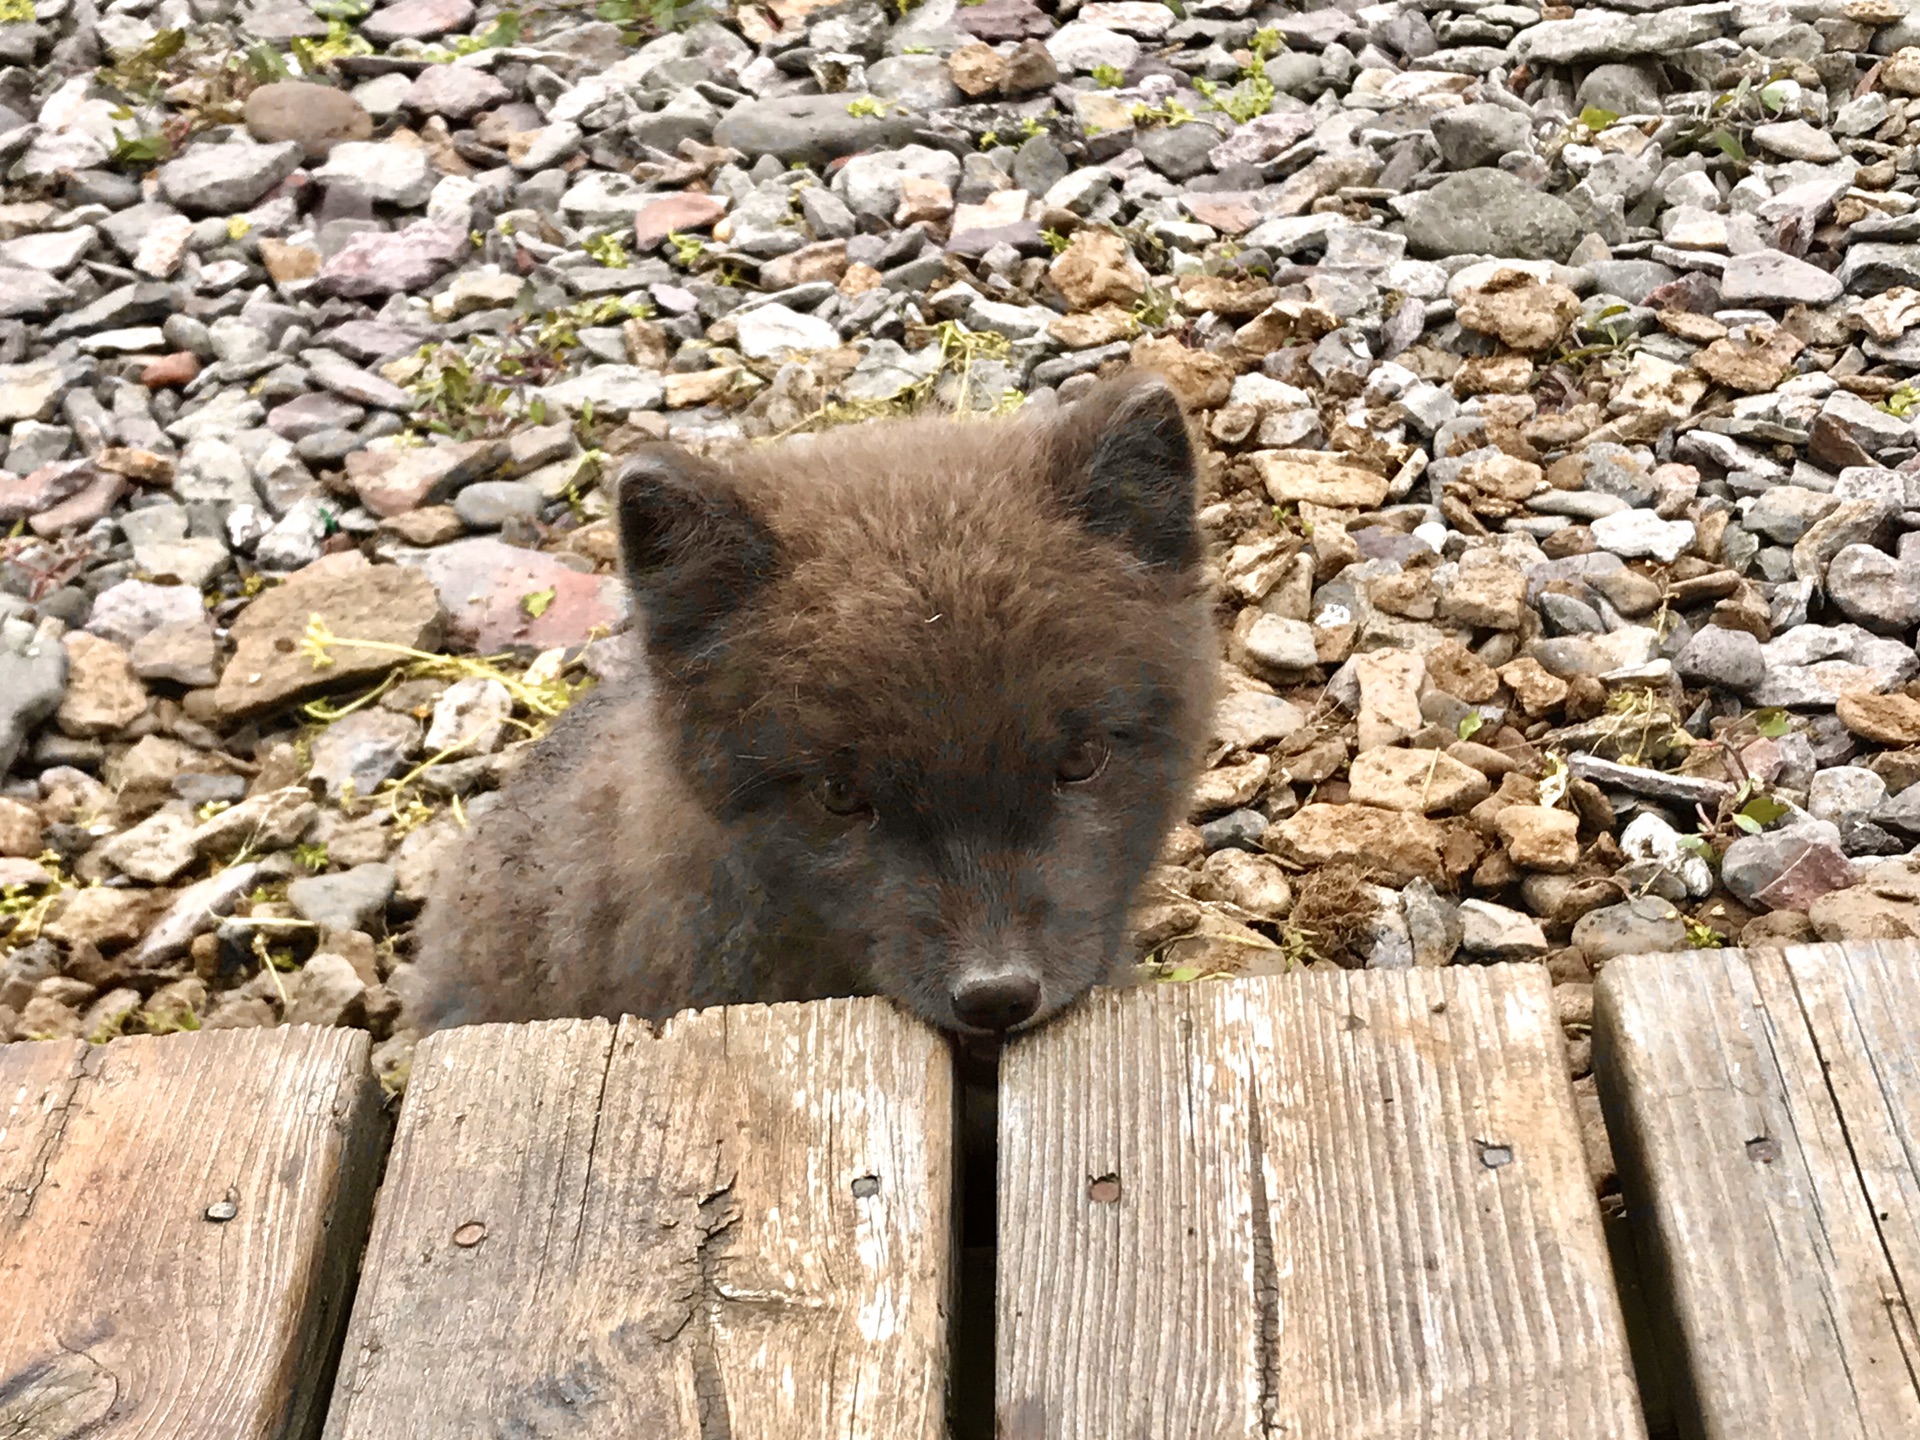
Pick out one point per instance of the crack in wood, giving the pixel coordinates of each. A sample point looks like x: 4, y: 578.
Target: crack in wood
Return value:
x: 86, y: 1067
x: 1266, y: 1276
x: 1874, y: 1215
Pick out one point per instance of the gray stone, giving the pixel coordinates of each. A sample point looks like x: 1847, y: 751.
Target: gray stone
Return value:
x: 388, y: 174
x: 489, y: 504
x: 1611, y: 35
x: 1656, y: 784
x: 194, y: 911
x: 355, y: 754
x: 1874, y: 589
x: 1280, y: 644
x: 1797, y: 140
x: 1731, y: 659
x: 1768, y: 277
x: 1495, y: 932
x: 1473, y: 136
x: 811, y: 128
x: 1179, y: 152
x: 381, y: 262
x: 1433, y: 924
x: 1384, y: 938
x: 355, y: 899
x: 1623, y: 88
x: 612, y: 390
x: 470, y: 717
x: 776, y: 331
x: 920, y: 82
x: 328, y: 990
x: 1645, y: 925
x: 417, y: 20
x: 1870, y: 266
x: 350, y: 382
x: 125, y: 612
x: 224, y: 179
x: 1247, y: 719
x: 29, y: 294
x: 1783, y: 513
x: 1841, y: 793
x: 456, y: 91
x: 1489, y: 212
x: 1236, y: 830
x: 33, y: 680
x: 157, y: 849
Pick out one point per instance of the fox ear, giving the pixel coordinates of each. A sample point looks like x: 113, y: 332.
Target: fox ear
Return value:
x: 695, y: 551
x: 1125, y: 466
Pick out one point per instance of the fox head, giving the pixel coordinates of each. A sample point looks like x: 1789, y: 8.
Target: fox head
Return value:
x: 944, y: 682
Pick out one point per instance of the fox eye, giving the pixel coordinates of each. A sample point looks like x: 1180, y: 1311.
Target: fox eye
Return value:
x: 840, y: 795
x: 1081, y: 761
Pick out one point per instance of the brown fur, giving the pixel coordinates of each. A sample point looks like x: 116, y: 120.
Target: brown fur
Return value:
x: 928, y: 619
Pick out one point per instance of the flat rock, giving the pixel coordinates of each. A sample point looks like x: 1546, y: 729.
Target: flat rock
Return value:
x: 1293, y: 476
x: 1395, y: 845
x: 812, y: 128
x: 1886, y: 719
x: 103, y: 693
x: 1611, y: 35
x: 384, y: 262
x: 1424, y: 782
x: 222, y: 179
x: 385, y: 603
x: 1656, y: 784
x: 1769, y: 277
x: 355, y: 899
x: 1646, y: 925
x: 1495, y: 932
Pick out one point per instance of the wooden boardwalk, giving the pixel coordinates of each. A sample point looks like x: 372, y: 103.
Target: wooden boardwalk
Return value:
x: 1351, y: 1206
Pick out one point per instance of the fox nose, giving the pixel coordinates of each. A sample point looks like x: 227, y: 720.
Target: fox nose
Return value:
x: 996, y: 999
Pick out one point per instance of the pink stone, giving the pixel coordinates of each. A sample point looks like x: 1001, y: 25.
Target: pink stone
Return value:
x: 44, y: 488
x: 1226, y: 211
x: 382, y: 262
x: 673, y: 214
x: 490, y: 588
x: 102, y: 493
x: 392, y: 482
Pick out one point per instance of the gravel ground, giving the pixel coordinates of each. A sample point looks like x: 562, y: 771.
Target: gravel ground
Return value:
x: 1557, y: 368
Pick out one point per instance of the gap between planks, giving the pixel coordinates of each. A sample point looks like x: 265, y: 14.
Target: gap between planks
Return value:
x: 1765, y: 1108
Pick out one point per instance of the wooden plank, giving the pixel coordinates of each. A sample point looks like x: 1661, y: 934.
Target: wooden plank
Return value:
x: 180, y: 1221
x: 1765, y: 1109
x: 738, y: 1226
x: 1324, y: 1205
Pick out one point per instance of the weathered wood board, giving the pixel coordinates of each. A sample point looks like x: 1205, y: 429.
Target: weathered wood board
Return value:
x: 739, y: 1227
x: 180, y: 1220
x: 1326, y: 1207
x: 1765, y: 1112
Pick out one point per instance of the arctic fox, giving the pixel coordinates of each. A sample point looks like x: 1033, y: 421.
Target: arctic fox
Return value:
x: 919, y: 702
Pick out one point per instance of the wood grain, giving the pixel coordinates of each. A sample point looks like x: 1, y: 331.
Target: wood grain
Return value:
x: 124, y: 1309
x: 1330, y: 1205
x: 1765, y: 1108
x: 738, y: 1227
